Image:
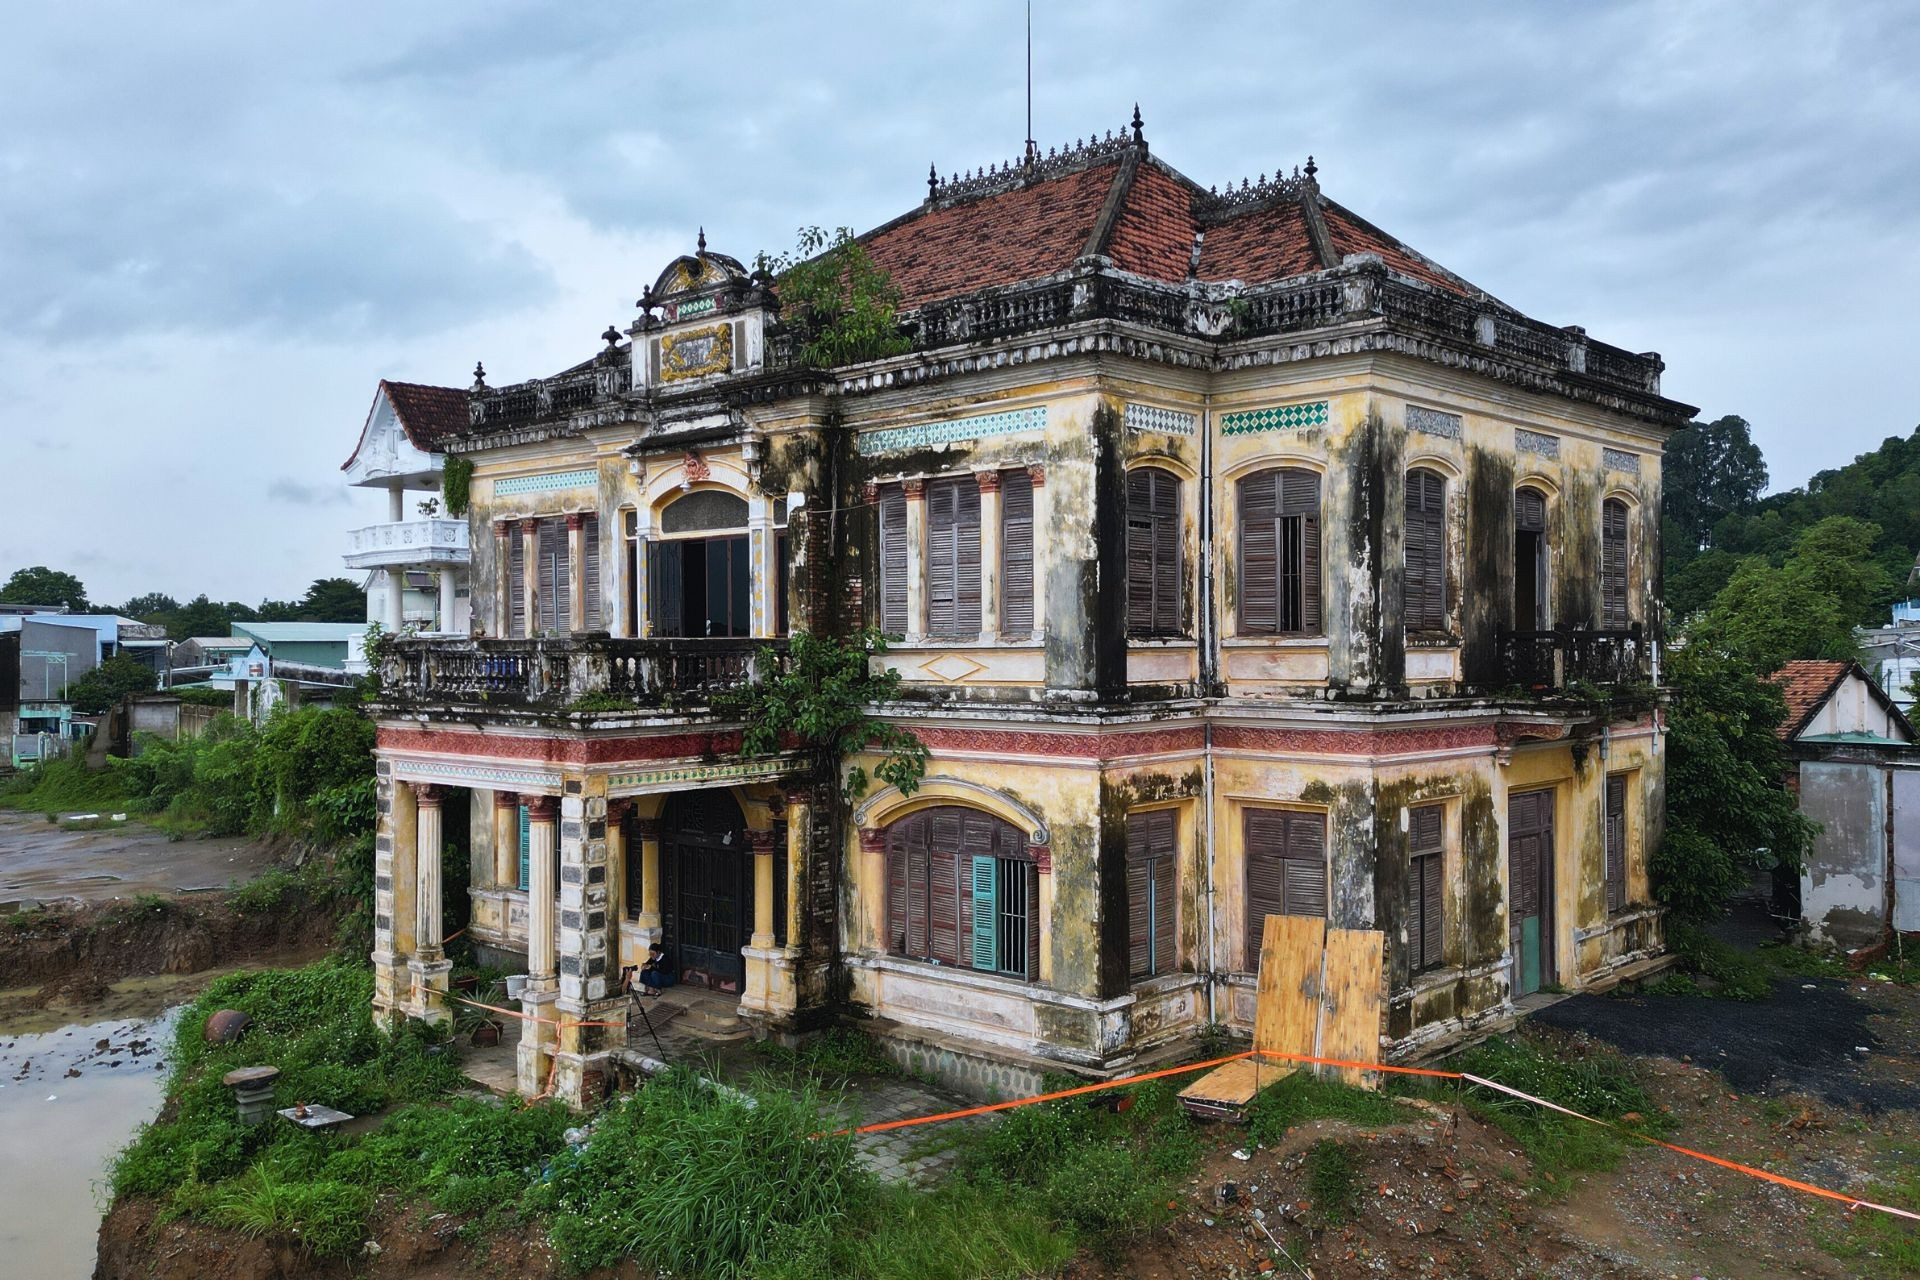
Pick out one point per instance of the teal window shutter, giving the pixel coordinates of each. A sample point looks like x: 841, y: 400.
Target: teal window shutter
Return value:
x: 526, y: 845
x: 985, y: 912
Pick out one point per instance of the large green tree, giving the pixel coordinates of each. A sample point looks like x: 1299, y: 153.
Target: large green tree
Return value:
x: 106, y: 684
x: 1805, y: 607
x: 151, y: 607
x: 334, y: 600
x: 1712, y: 470
x: 41, y: 585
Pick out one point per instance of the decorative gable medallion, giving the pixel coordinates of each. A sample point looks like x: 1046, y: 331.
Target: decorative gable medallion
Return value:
x: 1285, y: 417
x: 696, y: 353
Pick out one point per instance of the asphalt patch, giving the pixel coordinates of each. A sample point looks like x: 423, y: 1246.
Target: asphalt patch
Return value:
x: 1798, y: 1041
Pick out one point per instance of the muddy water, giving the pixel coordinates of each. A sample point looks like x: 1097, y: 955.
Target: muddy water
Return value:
x: 69, y: 1100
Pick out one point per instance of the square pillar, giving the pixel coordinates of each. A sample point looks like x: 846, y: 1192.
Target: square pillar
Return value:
x: 989, y: 482
x: 591, y: 1008
x: 530, y: 573
x: 394, y: 874
x: 916, y: 492
x: 873, y: 895
x: 647, y: 832
x: 503, y: 575
x: 763, y: 609
x: 537, y: 1038
x: 1043, y: 864
x: 428, y: 968
x: 1038, y: 474
x: 447, y: 598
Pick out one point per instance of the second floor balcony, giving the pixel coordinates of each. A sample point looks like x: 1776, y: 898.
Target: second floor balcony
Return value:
x: 400, y: 544
x: 1569, y: 658
x: 572, y: 673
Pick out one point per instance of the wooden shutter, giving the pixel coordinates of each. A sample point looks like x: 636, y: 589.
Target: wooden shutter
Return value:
x: 1300, y: 502
x: 897, y: 890
x: 893, y: 560
x: 1153, y: 552
x: 941, y: 558
x: 1426, y: 883
x: 516, y: 584
x: 1425, y: 538
x: 944, y: 856
x: 1530, y: 511
x: 1139, y: 913
x: 1286, y: 869
x: 1016, y: 553
x: 966, y: 556
x: 1032, y: 873
x: 986, y: 906
x: 1528, y: 818
x: 1613, y: 564
x: 526, y: 847
x: 1151, y: 917
x: 590, y: 555
x: 553, y: 578
x: 1616, y: 834
x: 1165, y: 916
x: 1306, y: 864
x: 1259, y: 553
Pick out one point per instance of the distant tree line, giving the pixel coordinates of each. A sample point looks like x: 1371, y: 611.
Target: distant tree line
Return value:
x: 326, y: 600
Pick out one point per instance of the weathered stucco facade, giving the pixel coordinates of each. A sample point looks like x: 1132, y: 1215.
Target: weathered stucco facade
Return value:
x: 1129, y: 673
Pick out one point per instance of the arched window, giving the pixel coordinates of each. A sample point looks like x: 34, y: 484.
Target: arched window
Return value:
x: 963, y: 890
x: 1153, y: 552
x: 1280, y: 552
x: 698, y: 576
x: 1613, y: 564
x: 1425, y: 538
x: 1530, y: 560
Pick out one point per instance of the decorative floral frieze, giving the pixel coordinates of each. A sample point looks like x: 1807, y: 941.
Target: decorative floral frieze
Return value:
x: 1168, y: 422
x: 1433, y: 422
x: 1534, y: 442
x: 546, y: 482
x: 1620, y: 460
x: 953, y: 430
x: 1285, y: 417
x: 700, y: 773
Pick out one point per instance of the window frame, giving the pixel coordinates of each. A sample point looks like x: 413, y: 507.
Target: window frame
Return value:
x: 1424, y: 605
x: 1426, y: 899
x: 1304, y: 565
x: 1616, y: 565
x: 917, y: 870
x: 951, y: 564
x: 1614, y: 839
x: 1153, y: 543
x: 1153, y: 854
x: 1290, y: 821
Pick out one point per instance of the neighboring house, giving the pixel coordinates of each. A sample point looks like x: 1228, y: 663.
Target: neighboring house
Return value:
x: 1892, y: 653
x: 1856, y: 771
x: 202, y: 658
x: 416, y: 560
x: 1238, y: 560
x: 54, y: 648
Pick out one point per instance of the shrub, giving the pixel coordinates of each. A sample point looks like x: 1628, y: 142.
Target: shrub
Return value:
x: 1736, y: 974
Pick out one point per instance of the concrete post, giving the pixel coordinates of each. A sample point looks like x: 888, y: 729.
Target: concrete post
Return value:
x: 647, y: 832
x: 1043, y: 863
x: 530, y: 577
x: 916, y: 492
x: 395, y: 610
x: 393, y: 873
x: 989, y: 555
x: 396, y: 504
x: 616, y: 880
x: 447, y: 598
x: 503, y: 577
x: 428, y: 969
x: 591, y: 1007
x: 758, y: 995
x: 534, y: 1060
x: 799, y: 837
x: 576, y: 572
x: 506, y: 840
x: 762, y: 608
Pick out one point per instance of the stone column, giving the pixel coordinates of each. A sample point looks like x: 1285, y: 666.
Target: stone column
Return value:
x: 591, y: 1008
x: 530, y: 572
x: 537, y: 1037
x: 506, y: 840
x: 576, y: 572
x: 799, y: 837
x: 762, y: 609
x: 428, y: 968
x: 447, y: 597
x: 647, y: 920
x: 617, y: 811
x: 873, y: 887
x: 393, y: 890
x: 989, y: 555
x: 503, y: 577
x: 1041, y: 550
x: 916, y: 491
x: 763, y: 930
x: 396, y: 504
x: 1043, y: 863
x: 395, y: 611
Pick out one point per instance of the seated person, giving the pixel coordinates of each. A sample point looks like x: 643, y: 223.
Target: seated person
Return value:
x: 653, y: 975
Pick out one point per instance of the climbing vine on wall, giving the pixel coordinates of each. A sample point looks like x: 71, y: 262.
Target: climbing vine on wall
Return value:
x: 456, y: 478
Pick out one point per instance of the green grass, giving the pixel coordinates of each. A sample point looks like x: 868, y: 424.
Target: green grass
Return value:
x: 1882, y: 1245
x: 1333, y: 1188
x: 1300, y: 1097
x: 1598, y: 1083
x: 1720, y: 968
x: 838, y: 1053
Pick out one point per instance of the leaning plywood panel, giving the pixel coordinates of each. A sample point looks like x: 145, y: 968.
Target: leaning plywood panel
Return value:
x: 1286, y: 1010
x: 1351, y: 1027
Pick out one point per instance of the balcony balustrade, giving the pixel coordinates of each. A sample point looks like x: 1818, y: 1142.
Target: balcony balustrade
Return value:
x: 1552, y: 661
x: 406, y: 544
x: 553, y: 674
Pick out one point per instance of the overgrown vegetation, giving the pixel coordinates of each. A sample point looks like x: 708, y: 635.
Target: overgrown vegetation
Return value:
x: 823, y: 698
x: 836, y: 1054
x: 456, y: 483
x: 840, y: 304
x: 1300, y: 1097
x: 1332, y: 1187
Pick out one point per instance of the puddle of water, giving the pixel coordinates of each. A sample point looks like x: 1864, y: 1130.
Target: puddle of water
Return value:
x: 67, y: 1107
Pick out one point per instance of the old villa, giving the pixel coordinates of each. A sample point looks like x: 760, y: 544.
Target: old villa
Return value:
x: 1238, y: 558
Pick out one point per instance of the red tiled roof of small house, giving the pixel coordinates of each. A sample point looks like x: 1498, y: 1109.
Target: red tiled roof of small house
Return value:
x: 1806, y: 683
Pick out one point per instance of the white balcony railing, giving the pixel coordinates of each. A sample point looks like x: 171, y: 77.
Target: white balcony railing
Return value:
x: 403, y: 544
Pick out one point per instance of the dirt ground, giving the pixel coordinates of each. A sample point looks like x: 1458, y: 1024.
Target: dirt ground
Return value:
x: 45, y: 861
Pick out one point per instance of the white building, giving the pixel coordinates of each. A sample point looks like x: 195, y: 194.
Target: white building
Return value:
x: 416, y: 559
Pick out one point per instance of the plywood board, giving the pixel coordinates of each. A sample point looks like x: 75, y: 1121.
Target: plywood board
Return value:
x: 1351, y: 1027
x: 1236, y: 1082
x: 1287, y: 1000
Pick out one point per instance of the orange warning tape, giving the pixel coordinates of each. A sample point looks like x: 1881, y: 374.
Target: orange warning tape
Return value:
x: 1357, y: 1066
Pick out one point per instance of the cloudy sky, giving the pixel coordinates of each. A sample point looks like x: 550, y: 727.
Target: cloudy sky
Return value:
x: 221, y: 223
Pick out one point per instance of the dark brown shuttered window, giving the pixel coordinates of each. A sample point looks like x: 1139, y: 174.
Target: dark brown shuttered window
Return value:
x: 1613, y: 564
x: 1529, y: 560
x: 1426, y: 550
x: 1286, y: 854
x: 1280, y: 553
x: 1016, y: 553
x: 553, y: 578
x: 516, y: 583
x: 1616, y: 841
x: 1153, y: 552
x: 1151, y: 853
x: 893, y: 560
x: 1426, y: 886
x: 962, y: 890
x: 590, y: 555
x: 953, y: 557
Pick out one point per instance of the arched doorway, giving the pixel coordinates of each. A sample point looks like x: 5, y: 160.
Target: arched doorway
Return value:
x: 706, y: 887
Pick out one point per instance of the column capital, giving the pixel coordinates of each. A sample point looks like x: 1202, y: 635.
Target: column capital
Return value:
x: 915, y: 488
x: 1038, y: 474
x: 428, y: 795
x: 528, y: 524
x: 575, y: 520
x: 799, y: 797
x: 871, y: 492
x: 761, y: 841
x: 989, y: 481
x: 646, y: 828
x: 542, y: 808
x: 1042, y: 855
x: 873, y: 839
x: 503, y: 527
x: 506, y: 800
x: 617, y: 810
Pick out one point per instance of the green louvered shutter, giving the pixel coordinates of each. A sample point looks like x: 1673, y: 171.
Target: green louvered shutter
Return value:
x: 526, y: 845
x: 985, y: 913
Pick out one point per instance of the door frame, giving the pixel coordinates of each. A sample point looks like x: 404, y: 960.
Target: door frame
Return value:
x: 1546, y: 874
x: 725, y: 856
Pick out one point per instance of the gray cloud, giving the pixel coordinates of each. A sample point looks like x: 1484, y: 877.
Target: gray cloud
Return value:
x: 285, y: 489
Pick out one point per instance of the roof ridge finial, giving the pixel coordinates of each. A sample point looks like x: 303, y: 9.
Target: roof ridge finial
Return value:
x: 700, y: 245
x: 1139, y: 138
x: 479, y: 376
x: 933, y: 181
x: 1312, y: 168
x: 611, y: 337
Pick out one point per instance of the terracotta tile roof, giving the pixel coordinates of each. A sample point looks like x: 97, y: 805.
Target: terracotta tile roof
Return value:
x: 429, y: 415
x: 1010, y: 236
x: 995, y: 240
x: 1806, y: 684
x: 1153, y: 235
